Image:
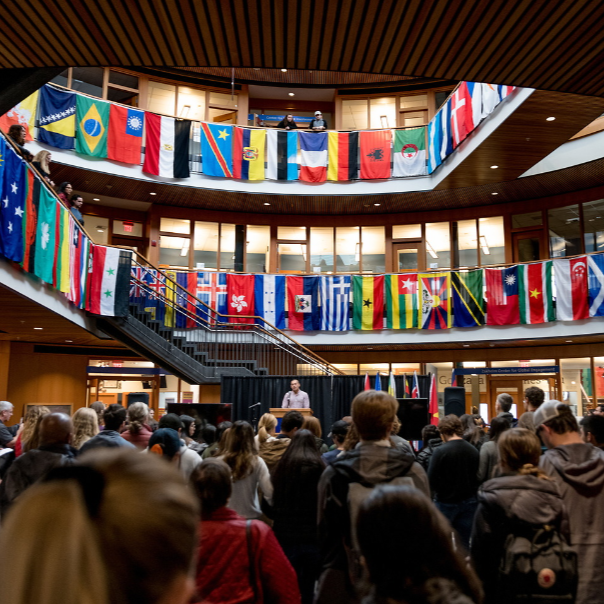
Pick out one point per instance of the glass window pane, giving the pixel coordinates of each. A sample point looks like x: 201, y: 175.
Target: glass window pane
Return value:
x: 128, y: 228
x: 258, y: 248
x: 291, y: 233
x: 407, y: 231
x: 440, y: 98
x: 292, y: 257
x: 407, y: 259
x: 492, y: 240
x: 162, y: 98
x: 411, y: 120
x: 409, y: 368
x: 222, y: 116
x: 321, y: 249
x: 225, y: 100
x: 373, y: 241
x: 599, y: 379
x: 175, y: 225
x: 577, y: 384
x: 347, y: 368
x: 174, y: 251
x: 227, y: 247
x: 348, y: 249
x: 383, y: 112
x: 373, y: 368
x: 354, y: 114
x: 191, y: 103
x: 466, y: 244
x: 438, y: 246
x: 98, y: 228
x: 415, y: 100
x: 125, y: 97
x: 593, y: 225
x: 88, y: 80
x: 530, y: 219
x: 61, y: 79
x: 206, y: 245
x: 564, y: 231
x: 123, y: 79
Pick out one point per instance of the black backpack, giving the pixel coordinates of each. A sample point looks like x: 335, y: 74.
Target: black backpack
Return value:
x: 538, y: 566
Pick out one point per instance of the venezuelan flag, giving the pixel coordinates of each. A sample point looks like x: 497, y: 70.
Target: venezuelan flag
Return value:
x: 248, y: 154
x: 92, y: 119
x: 368, y: 302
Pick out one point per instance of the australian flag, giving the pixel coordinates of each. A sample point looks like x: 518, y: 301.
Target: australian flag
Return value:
x: 335, y: 296
x: 269, y: 299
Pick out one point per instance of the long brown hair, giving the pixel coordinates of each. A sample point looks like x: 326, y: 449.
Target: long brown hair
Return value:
x: 30, y: 438
x: 313, y: 425
x: 519, y: 451
x: 138, y: 415
x: 240, y: 454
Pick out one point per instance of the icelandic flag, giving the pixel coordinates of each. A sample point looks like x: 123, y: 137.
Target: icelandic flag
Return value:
x: 313, y: 152
x: 269, y: 299
x: 303, y: 303
x: 212, y: 290
x: 435, y: 141
x: 335, y: 296
x: 12, y: 209
x: 595, y: 282
x: 217, y: 150
x: 57, y: 117
x: 446, y: 143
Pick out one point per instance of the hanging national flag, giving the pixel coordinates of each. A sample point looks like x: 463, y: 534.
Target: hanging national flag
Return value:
x: 79, y: 252
x: 490, y: 99
x: 453, y: 376
x: 401, y: 301
x: 313, y: 156
x: 433, y: 408
x: 269, y: 299
x: 57, y: 117
x: 343, y: 155
x: 505, y: 91
x: 335, y: 298
x: 155, y: 289
x: 461, y: 114
x: 595, y: 282
x: 415, y: 391
x: 376, y: 151
x: 185, y: 300
x: 125, y: 136
x: 303, y: 303
x: 368, y: 302
x: 535, y: 292
x: 571, y: 289
x: 407, y: 393
x: 392, y: 385
x: 212, y: 290
x: 65, y: 242
x: 240, y: 297
x: 92, y: 120
x: 366, y: 383
x: 409, y: 152
x: 109, y: 282
x: 24, y: 114
x: 467, y: 288
x: 169, y: 317
x: 502, y: 296
x: 30, y: 219
x: 217, y: 149
x: 248, y: 154
x: 281, y: 155
x: 13, y: 192
x: 446, y: 141
x: 475, y: 90
x: 435, y: 300
x: 378, y: 382
x: 167, y: 146
x: 435, y: 139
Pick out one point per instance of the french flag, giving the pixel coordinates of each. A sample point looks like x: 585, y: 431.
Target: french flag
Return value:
x: 313, y: 152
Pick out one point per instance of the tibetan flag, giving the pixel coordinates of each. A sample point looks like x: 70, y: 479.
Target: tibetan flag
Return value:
x: 269, y: 299
x: 446, y: 141
x: 468, y: 298
x: 313, y: 152
x: 92, y: 119
x: 125, y: 136
x: 248, y: 154
x: 217, y: 149
x: 401, y: 301
x: 433, y: 408
x: 368, y: 302
x: 45, y: 236
x: 535, y: 292
x: 335, y: 297
x: 435, y: 136
x: 415, y: 391
x: 12, y: 206
x: 343, y: 148
x: 109, y: 281
x: 281, y: 155
x: 571, y: 289
x: 303, y: 302
x: 375, y: 154
x: 212, y: 290
x: 595, y: 281
x: 240, y: 296
x: 23, y: 113
x: 462, y: 121
x: 502, y: 296
x: 57, y: 117
x: 167, y: 146
x: 65, y: 241
x: 30, y: 220
x: 409, y: 152
x: 435, y: 300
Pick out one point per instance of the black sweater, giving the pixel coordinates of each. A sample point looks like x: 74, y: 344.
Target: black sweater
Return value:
x: 453, y: 472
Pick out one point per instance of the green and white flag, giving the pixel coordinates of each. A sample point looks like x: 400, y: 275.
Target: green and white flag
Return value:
x: 45, y: 236
x: 409, y: 152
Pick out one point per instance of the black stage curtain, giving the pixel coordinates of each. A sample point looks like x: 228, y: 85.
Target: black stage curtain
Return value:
x: 345, y: 388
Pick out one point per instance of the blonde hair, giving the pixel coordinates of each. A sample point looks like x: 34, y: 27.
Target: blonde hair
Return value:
x: 373, y: 413
x: 42, y: 157
x: 519, y: 451
x: 138, y: 414
x: 85, y: 426
x: 313, y: 425
x: 141, y: 538
x: 30, y: 434
x: 267, y: 423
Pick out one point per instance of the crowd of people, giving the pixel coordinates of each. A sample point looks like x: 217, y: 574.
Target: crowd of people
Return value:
x: 111, y: 506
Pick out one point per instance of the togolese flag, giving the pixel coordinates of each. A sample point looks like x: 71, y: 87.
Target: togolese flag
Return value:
x: 401, y: 301
x: 343, y: 149
x: 109, y: 287
x: 409, y: 152
x: 248, y: 154
x: 468, y: 299
x: 368, y: 302
x: 92, y: 119
x: 535, y: 292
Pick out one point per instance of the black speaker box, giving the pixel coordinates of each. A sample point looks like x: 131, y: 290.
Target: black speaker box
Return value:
x: 455, y: 400
x: 138, y: 397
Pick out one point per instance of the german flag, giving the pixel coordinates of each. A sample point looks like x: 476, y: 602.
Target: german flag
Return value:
x: 368, y: 302
x: 343, y: 150
x: 468, y: 298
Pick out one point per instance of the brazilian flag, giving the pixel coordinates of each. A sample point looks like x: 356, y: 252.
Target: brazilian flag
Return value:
x: 468, y: 298
x: 92, y: 123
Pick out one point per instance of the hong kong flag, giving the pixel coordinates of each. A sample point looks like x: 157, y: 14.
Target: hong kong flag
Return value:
x: 240, y: 298
x: 462, y: 121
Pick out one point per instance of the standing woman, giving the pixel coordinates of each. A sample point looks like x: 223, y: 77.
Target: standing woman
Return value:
x: 489, y: 454
x: 65, y: 191
x: 287, y: 123
x: 138, y: 432
x: 41, y: 163
x: 85, y: 426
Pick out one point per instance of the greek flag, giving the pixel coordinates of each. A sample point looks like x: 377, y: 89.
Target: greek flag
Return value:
x: 335, y: 294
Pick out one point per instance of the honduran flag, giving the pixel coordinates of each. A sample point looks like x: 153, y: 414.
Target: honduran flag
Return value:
x: 303, y: 302
x: 167, y: 146
x: 125, y: 136
x: 281, y: 155
x: 240, y: 298
x: 571, y: 289
x: 248, y: 154
x: 269, y: 299
x: 109, y: 289
x: 313, y: 151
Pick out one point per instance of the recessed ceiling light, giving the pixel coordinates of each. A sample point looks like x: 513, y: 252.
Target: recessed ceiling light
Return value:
x: 493, y: 167
x: 550, y: 119
x: 266, y: 203
x: 466, y: 345
x: 291, y: 94
x: 38, y: 328
x: 95, y: 199
x: 284, y: 70
x: 494, y: 193
x: 377, y: 204
x: 152, y: 193
x: 69, y: 341
x: 369, y: 348
x: 568, y: 341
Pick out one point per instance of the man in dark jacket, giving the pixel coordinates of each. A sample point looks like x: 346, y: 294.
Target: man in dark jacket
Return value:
x: 503, y: 404
x: 113, y: 417
x: 533, y: 399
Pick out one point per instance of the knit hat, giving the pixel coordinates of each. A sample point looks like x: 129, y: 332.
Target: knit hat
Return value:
x: 545, y: 412
x: 165, y: 442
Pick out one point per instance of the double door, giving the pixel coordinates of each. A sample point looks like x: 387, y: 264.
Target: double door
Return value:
x: 408, y: 257
x: 515, y: 387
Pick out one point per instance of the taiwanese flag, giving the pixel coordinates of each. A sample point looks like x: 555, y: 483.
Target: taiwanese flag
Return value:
x: 343, y: 149
x: 240, y: 298
x: 376, y: 151
x: 462, y: 120
x: 368, y: 302
x: 303, y: 303
x: 125, y: 136
x: 167, y: 146
x: 502, y: 296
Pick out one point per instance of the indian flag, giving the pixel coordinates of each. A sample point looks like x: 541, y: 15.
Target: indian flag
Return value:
x: 409, y: 152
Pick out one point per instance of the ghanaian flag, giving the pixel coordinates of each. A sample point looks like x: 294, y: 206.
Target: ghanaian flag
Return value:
x: 368, y: 302
x: 401, y: 301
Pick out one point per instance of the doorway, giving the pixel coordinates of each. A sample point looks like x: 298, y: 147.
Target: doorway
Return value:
x: 408, y: 257
x: 528, y: 246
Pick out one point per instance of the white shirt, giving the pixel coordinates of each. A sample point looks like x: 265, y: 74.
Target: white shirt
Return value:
x: 295, y: 401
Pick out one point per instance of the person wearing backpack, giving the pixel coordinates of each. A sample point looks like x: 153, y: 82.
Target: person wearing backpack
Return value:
x: 348, y: 481
x: 513, y: 510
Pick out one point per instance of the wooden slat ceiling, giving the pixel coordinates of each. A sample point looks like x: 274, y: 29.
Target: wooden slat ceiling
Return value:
x: 531, y: 43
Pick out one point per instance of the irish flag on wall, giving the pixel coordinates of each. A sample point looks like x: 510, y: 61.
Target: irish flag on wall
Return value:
x: 109, y: 287
x: 535, y: 292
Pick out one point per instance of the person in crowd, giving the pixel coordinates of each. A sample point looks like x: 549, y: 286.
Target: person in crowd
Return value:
x: 489, y: 453
x: 478, y: 420
x: 318, y: 124
x: 521, y: 498
x: 352, y: 438
x: 248, y: 471
x: 65, y: 191
x: 270, y: 448
x: 189, y: 459
x: 432, y: 571
x: 17, y: 135
x: 503, y: 404
x: 153, y: 424
x: 238, y: 561
x: 56, y: 431
x: 29, y: 436
x: 354, y: 473
x: 599, y: 409
x: 75, y: 206
x: 578, y: 468
x: 533, y: 399
x: 207, y: 436
x: 295, y: 398
x: 430, y: 439
x: 188, y: 434
x: 114, y: 418
x: 295, y: 484
x: 471, y: 432
x: 338, y: 433
x: 313, y: 425
x: 41, y: 162
x: 288, y: 123
x: 217, y: 447
x: 453, y: 474
x: 8, y: 436
x: 167, y: 443
x: 98, y: 407
x: 269, y: 422
x: 138, y: 431
x: 592, y: 430
x: 291, y: 422
x: 85, y: 426
x: 118, y: 527
x: 398, y: 441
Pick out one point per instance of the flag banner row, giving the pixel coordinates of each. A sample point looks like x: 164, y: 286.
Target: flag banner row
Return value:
x: 97, y: 128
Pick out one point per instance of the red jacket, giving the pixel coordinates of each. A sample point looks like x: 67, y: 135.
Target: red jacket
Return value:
x: 223, y: 571
x: 140, y: 439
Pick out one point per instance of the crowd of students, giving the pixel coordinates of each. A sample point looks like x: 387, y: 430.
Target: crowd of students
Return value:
x: 111, y: 506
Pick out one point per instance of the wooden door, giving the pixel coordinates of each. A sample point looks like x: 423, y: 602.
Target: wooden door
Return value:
x: 408, y: 257
x: 529, y: 246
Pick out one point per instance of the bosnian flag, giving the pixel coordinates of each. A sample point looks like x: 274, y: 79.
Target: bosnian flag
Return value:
x: 109, y: 287
x: 269, y: 299
x: 313, y: 151
x: 571, y: 289
x: 167, y: 146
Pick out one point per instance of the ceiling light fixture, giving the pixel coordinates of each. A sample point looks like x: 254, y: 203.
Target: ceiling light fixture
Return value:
x: 152, y: 193
x: 484, y: 246
x: 377, y: 204
x: 291, y: 94
x: 466, y: 346
x: 430, y: 250
x: 494, y: 193
x: 69, y: 341
x: 185, y: 248
x: 284, y: 70
x: 569, y: 341
x: 266, y: 203
x: 494, y: 167
x: 95, y: 199
x: 550, y: 119
x: 38, y: 328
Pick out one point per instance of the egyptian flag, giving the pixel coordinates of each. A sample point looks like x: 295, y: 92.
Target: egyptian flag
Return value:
x: 109, y: 290
x: 125, y: 136
x: 343, y: 150
x: 313, y: 151
x: 281, y: 155
x: 303, y: 303
x: 248, y: 154
x: 376, y: 153
x: 240, y: 298
x: 167, y: 146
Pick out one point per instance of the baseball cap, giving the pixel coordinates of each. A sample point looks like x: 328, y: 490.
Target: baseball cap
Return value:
x: 318, y: 113
x: 545, y: 412
x: 340, y: 428
x: 165, y: 442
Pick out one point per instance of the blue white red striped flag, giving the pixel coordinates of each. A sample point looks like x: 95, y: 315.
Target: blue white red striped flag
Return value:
x: 595, y: 282
x: 313, y: 152
x: 335, y: 297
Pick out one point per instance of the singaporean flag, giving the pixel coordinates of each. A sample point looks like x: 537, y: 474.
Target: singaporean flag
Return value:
x: 313, y: 152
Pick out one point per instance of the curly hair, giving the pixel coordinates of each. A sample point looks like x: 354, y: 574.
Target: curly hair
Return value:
x: 85, y: 426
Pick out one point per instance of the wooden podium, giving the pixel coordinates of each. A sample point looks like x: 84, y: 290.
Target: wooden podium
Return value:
x: 279, y: 412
